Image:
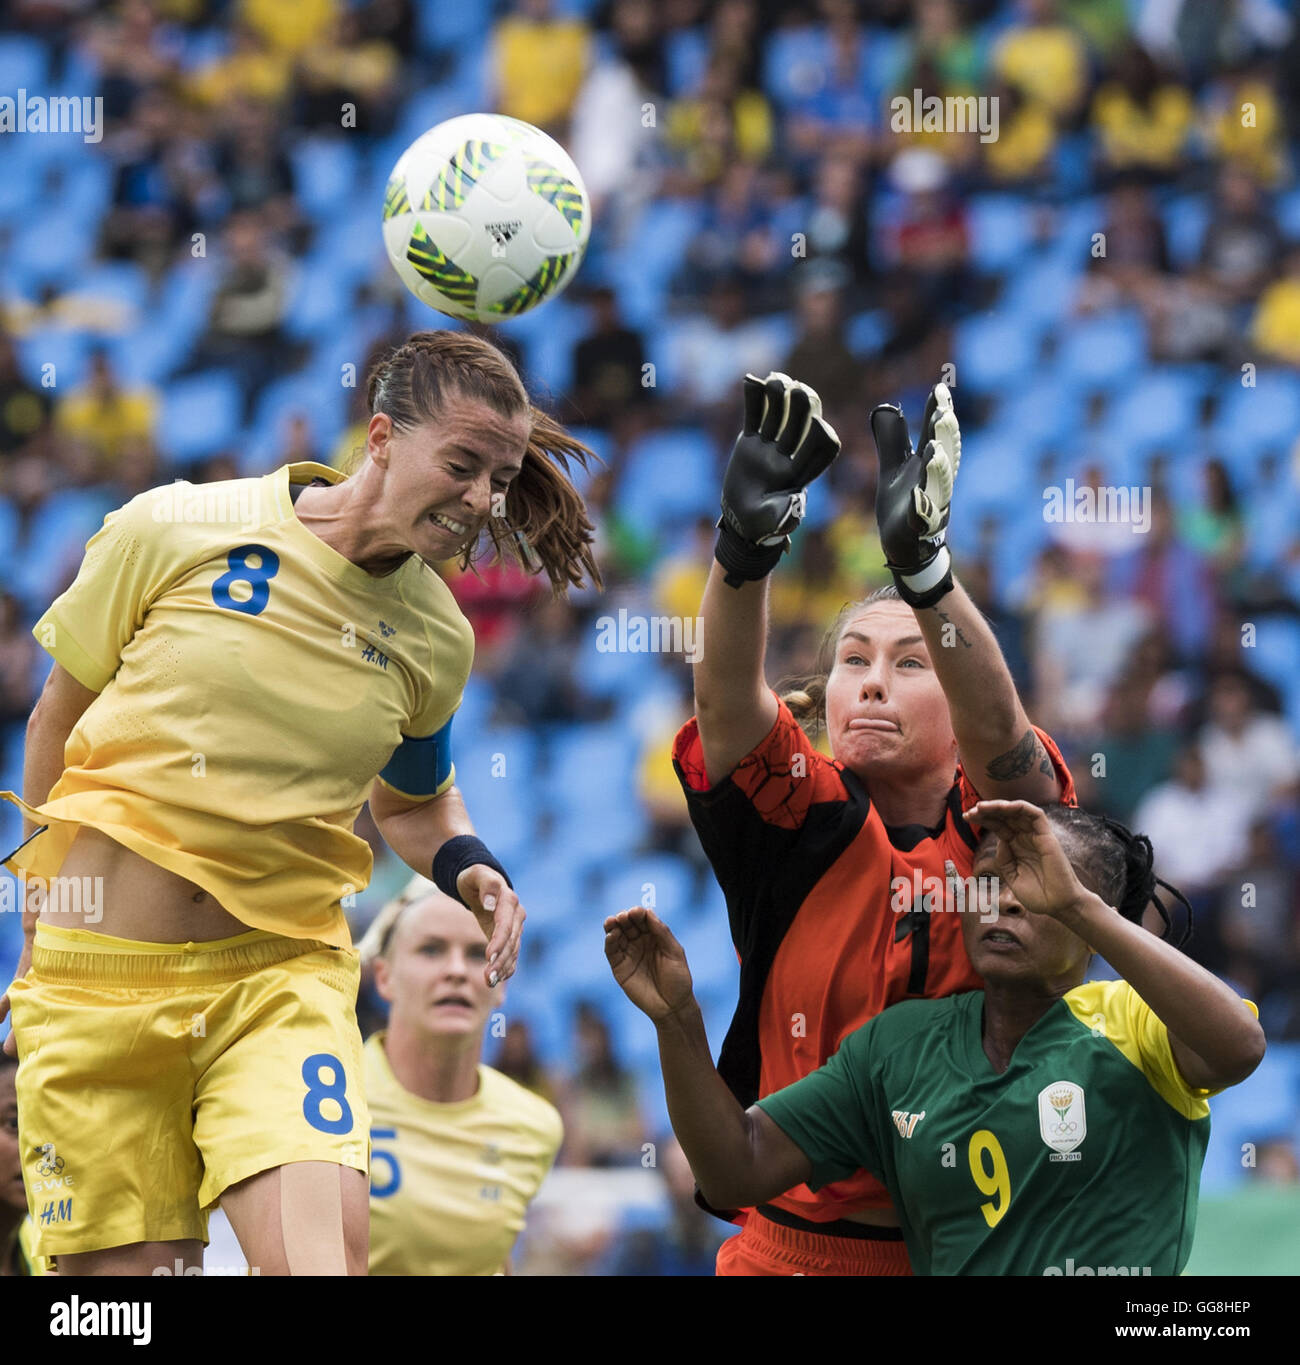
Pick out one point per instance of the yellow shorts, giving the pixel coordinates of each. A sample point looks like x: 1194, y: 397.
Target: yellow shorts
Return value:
x: 153, y: 1076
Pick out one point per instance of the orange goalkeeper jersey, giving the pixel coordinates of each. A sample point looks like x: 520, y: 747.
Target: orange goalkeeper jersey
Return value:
x: 812, y: 877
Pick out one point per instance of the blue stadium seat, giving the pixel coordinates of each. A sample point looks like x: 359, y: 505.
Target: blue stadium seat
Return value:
x: 795, y: 62
x: 659, y: 881
x: 1288, y: 213
x: 1159, y: 410
x: 669, y: 476
x: 1185, y: 218
x: 993, y: 351
x: 1040, y: 290
x: 1276, y: 653
x: 1265, y: 1104
x: 1268, y: 414
x: 1001, y: 231
x: 687, y: 56
x: 66, y: 351
x: 1102, y: 351
x: 200, y: 416
x: 24, y: 64
x: 325, y: 173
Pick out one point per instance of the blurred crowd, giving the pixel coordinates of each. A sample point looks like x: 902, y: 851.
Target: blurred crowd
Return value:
x: 759, y: 203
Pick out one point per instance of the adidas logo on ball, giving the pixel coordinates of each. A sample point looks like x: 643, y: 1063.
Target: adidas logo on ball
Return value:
x: 503, y: 232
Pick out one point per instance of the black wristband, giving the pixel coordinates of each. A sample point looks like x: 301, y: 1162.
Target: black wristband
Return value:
x: 744, y: 561
x: 458, y: 853
x: 930, y: 594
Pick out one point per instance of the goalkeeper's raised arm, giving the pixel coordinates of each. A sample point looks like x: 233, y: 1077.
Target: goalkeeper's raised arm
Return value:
x: 1002, y: 755
x: 782, y: 448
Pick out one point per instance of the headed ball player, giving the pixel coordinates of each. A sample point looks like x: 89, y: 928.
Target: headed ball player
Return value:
x: 1030, y: 1128
x: 238, y: 667
x: 923, y: 720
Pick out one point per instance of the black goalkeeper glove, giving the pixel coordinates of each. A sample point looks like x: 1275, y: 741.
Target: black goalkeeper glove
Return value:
x: 913, y: 496
x: 783, y: 447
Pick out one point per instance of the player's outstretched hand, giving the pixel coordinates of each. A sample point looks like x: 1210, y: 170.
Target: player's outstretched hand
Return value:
x: 1029, y: 860
x: 914, y: 494
x: 648, y: 962
x: 496, y: 907
x: 784, y: 445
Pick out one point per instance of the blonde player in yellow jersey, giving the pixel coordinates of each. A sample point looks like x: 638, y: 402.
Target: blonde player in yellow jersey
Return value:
x: 235, y: 674
x: 458, y: 1149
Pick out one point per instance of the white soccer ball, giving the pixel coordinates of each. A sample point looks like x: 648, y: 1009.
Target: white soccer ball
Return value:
x: 485, y: 217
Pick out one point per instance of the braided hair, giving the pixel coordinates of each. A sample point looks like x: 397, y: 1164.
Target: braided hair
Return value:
x: 1118, y: 866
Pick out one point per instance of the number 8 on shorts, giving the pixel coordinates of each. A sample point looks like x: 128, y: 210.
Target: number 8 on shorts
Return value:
x: 318, y: 1092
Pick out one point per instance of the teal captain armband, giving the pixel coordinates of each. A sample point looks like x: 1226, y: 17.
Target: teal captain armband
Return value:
x: 421, y: 768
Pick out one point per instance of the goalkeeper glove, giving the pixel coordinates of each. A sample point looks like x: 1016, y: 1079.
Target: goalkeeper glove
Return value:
x: 913, y: 496
x: 783, y: 447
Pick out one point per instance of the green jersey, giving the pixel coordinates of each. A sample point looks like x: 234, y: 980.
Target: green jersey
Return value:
x: 1082, y: 1158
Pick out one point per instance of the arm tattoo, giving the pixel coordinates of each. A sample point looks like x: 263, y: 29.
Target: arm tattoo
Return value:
x: 1018, y: 761
x: 944, y: 617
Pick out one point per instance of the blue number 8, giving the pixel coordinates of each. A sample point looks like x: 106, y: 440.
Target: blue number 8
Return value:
x: 317, y: 1091
x: 240, y: 572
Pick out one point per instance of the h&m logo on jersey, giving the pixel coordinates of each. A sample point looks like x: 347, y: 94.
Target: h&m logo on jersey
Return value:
x: 906, y: 1123
x: 1062, y: 1119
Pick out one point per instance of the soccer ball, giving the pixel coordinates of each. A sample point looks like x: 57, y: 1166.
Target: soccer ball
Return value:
x: 485, y: 217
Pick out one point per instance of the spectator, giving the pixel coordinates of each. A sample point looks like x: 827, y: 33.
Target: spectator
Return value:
x: 518, y: 1059
x: 1275, y: 328
x: 1141, y: 118
x: 836, y: 226
x: 1080, y: 651
x: 1136, y: 259
x: 1136, y: 754
x: 105, y: 414
x: 1044, y: 59
x: 1258, y: 916
x: 24, y: 408
x: 1214, y: 529
x: 246, y: 323
x: 538, y: 63
x: 602, y: 1114
x: 821, y: 354
x: 1171, y: 580
x: 1199, y: 830
x: 608, y: 373
x: 254, y: 167
x: 686, y: 1243
x: 1242, y: 244
x: 537, y: 682
x: 1249, y: 754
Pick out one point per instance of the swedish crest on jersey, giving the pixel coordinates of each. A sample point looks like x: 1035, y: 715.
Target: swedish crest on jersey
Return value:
x: 1062, y: 1120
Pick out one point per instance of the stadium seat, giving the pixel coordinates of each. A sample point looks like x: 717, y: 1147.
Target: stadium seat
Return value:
x: 668, y: 477
x: 24, y: 63
x: 660, y: 882
x: 1001, y: 229
x: 325, y: 171
x: 67, y: 352
x: 1185, y: 219
x: 200, y: 416
x: 1268, y: 414
x: 1102, y: 351
x: 993, y: 351
x: 1160, y: 409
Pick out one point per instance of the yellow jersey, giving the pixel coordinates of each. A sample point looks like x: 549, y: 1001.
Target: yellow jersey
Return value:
x: 253, y: 683
x: 449, y: 1183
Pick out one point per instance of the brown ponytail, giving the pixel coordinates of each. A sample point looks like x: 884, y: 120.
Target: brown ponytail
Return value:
x: 545, y: 526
